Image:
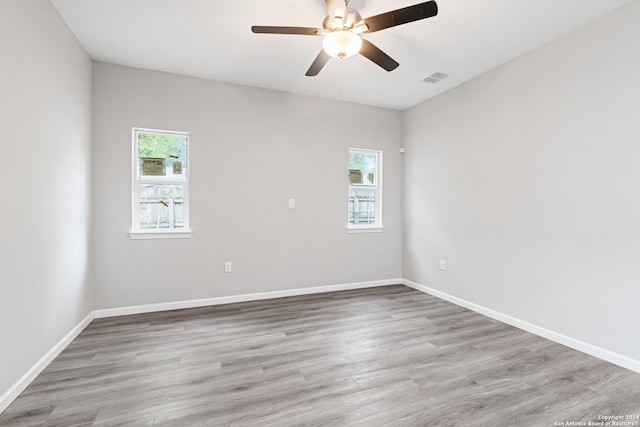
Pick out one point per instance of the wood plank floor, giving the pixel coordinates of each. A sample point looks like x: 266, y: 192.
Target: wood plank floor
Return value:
x: 372, y: 357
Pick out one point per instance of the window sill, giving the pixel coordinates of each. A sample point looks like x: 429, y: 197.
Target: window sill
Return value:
x: 141, y: 235
x: 365, y: 230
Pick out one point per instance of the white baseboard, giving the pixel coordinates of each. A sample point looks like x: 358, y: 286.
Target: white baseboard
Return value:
x: 599, y: 352
x: 149, y: 308
x: 24, y: 381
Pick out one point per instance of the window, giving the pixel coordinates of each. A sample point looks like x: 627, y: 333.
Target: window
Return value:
x: 365, y: 194
x: 160, y: 184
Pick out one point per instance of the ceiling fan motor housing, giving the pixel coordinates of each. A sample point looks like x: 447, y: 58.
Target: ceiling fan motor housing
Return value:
x: 331, y: 23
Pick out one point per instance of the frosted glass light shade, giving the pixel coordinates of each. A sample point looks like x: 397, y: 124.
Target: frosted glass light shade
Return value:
x: 341, y: 44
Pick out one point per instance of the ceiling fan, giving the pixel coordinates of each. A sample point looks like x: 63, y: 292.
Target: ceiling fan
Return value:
x: 341, y: 29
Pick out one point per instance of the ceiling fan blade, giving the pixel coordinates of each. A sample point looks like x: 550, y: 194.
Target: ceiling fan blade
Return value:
x: 320, y: 61
x: 305, y: 31
x: 371, y: 52
x: 401, y: 16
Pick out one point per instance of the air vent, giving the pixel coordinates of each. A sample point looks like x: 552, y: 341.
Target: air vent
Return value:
x: 435, y: 77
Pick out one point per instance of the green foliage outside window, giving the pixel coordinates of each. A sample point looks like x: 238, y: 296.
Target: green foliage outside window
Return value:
x: 366, y: 163
x: 172, y: 148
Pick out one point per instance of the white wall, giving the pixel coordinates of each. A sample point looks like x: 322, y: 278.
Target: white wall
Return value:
x: 45, y: 117
x: 251, y: 150
x: 526, y: 181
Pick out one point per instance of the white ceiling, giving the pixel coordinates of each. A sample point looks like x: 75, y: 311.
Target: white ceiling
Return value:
x: 212, y: 39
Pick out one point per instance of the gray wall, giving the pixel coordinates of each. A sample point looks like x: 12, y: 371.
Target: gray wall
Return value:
x: 526, y: 181
x: 45, y: 117
x: 251, y: 150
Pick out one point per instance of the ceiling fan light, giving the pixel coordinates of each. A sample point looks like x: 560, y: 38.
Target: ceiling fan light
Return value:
x: 341, y: 44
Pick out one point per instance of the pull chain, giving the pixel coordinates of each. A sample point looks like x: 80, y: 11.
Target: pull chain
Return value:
x: 340, y: 79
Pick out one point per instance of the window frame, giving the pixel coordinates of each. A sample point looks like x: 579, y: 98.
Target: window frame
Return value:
x: 165, y: 233
x: 377, y: 226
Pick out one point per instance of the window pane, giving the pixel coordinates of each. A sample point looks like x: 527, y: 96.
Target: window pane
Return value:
x: 362, y: 204
x: 162, y: 155
x: 365, y: 163
x: 161, y: 206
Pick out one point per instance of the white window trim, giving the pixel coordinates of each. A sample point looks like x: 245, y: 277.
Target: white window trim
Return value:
x: 180, y: 233
x: 140, y: 235
x: 378, y: 227
x: 370, y: 229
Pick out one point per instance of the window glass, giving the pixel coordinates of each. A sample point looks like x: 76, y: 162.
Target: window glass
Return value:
x: 162, y: 155
x: 161, y: 206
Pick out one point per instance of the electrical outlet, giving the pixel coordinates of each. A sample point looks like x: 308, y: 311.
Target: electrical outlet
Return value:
x: 292, y: 203
x: 443, y: 265
x: 227, y: 267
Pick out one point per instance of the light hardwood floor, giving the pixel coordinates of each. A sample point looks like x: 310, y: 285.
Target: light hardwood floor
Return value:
x: 371, y: 357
